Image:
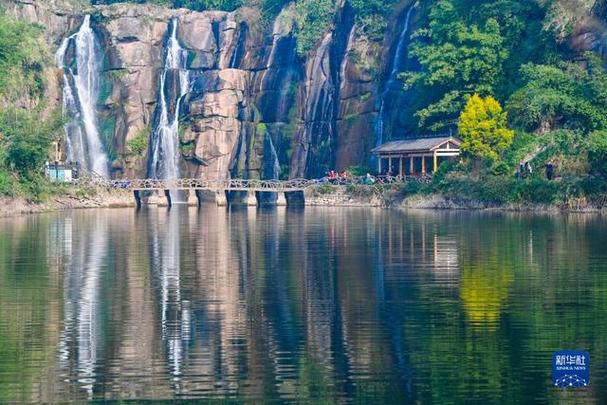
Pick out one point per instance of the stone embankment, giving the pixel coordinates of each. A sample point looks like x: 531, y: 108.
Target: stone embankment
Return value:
x: 12, y: 206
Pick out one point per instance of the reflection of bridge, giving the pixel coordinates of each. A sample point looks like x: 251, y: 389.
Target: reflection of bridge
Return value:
x: 147, y: 190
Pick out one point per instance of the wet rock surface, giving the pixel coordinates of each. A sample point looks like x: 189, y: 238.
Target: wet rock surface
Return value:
x: 254, y: 109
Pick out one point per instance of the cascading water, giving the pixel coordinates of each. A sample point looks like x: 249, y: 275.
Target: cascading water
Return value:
x: 164, y: 157
x: 317, y: 129
x: 392, y: 82
x: 80, y: 94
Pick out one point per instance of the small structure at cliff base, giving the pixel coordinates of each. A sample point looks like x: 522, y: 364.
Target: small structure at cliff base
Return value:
x: 416, y: 156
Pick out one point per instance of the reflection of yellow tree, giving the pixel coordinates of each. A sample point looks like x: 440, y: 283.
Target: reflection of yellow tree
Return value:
x: 483, y: 290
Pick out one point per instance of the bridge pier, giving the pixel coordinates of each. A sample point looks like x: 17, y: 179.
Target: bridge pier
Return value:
x: 295, y: 198
x: 192, y: 198
x: 251, y: 200
x: 221, y: 199
x: 281, y: 199
x: 167, y: 194
x: 143, y: 197
x: 137, y: 195
x: 199, y: 197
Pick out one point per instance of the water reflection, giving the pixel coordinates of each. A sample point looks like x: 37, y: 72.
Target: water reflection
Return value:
x: 163, y: 231
x: 307, y: 305
x: 81, y: 342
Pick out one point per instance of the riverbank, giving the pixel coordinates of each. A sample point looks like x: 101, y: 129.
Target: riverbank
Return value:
x: 70, y: 199
x: 381, y: 196
x: 392, y: 196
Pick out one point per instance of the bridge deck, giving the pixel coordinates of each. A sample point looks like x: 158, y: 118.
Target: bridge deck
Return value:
x: 234, y: 184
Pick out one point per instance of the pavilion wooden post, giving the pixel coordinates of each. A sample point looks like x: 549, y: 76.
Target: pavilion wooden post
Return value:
x: 411, y: 166
x: 401, y: 173
x: 423, y: 164
x: 389, y: 165
x: 379, y: 164
x: 435, y: 163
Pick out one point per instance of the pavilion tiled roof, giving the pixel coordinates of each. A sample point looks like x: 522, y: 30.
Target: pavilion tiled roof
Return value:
x: 414, y: 145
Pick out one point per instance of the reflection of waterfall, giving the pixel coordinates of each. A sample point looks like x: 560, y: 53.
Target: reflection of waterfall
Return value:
x: 81, y: 341
x: 80, y: 94
x: 175, y: 312
x: 392, y: 81
x: 164, y: 157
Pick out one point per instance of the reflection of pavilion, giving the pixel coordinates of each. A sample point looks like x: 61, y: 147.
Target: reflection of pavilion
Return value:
x: 446, y: 259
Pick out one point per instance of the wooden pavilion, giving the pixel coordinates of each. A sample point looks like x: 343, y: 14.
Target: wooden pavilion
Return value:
x: 416, y: 156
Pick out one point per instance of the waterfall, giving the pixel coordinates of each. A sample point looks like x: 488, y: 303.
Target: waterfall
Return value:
x: 80, y: 95
x: 315, y: 136
x: 271, y: 166
x: 392, y: 79
x: 164, y: 158
x: 344, y: 61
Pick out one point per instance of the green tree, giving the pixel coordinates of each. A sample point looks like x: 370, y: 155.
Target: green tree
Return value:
x: 312, y: 19
x: 482, y: 127
x: 471, y: 46
x: 21, y: 59
x: 563, y: 96
x: 457, y: 59
x: 597, y: 153
x: 27, y: 139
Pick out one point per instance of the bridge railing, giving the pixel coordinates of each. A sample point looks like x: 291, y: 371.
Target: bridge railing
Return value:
x: 241, y: 184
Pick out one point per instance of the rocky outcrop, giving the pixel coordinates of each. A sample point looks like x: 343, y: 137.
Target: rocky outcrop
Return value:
x: 254, y: 107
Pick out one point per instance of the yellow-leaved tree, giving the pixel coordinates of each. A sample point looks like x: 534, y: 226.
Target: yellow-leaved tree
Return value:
x: 482, y: 128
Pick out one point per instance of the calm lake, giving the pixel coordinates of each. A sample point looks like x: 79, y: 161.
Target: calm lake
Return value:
x: 314, y: 304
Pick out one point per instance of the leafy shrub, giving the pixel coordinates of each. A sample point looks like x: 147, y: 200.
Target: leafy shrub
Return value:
x: 7, y: 186
x: 139, y: 143
x: 597, y: 153
x: 537, y: 190
x: 312, y: 20
x: 325, y: 189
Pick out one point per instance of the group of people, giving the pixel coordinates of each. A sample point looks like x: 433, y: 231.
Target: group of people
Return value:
x: 333, y: 176
x: 526, y: 170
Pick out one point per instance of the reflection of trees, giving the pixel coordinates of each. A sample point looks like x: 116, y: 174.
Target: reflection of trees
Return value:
x: 29, y: 303
x: 315, y: 305
x: 484, y: 289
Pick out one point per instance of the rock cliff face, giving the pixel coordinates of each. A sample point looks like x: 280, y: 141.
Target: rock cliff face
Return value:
x: 253, y: 109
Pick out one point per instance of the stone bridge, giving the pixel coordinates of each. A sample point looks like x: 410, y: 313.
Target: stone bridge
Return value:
x: 192, y: 191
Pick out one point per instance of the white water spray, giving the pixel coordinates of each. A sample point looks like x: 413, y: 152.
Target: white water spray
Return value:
x: 80, y: 94
x: 164, y: 162
x: 397, y: 61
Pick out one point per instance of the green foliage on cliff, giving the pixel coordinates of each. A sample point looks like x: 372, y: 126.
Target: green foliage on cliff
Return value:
x: 312, y: 19
x: 526, y: 56
x: 372, y: 16
x: 563, y: 95
x: 139, y: 143
x: 199, y: 5
x: 466, y: 47
x: 21, y: 59
x: 26, y: 127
